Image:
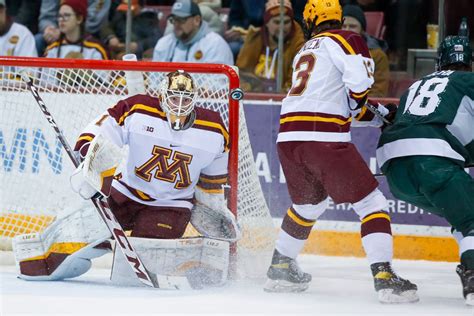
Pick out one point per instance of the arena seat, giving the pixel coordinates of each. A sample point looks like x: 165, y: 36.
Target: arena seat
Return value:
x: 163, y: 12
x: 397, y: 87
x: 375, y: 23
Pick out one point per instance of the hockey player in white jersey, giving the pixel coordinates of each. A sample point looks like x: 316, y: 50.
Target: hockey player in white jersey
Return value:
x: 332, y: 75
x: 173, y: 172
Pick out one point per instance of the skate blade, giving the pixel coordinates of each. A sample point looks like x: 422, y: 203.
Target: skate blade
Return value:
x: 387, y: 296
x: 470, y: 299
x: 283, y: 286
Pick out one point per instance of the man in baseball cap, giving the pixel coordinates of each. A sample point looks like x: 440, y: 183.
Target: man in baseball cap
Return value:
x: 185, y: 9
x: 186, y: 19
x: 191, y: 40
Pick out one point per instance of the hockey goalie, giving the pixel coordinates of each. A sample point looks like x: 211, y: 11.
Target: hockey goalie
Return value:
x: 161, y: 163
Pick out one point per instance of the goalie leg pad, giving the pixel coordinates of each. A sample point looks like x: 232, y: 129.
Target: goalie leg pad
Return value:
x: 64, y: 249
x: 56, y: 265
x: 203, y: 261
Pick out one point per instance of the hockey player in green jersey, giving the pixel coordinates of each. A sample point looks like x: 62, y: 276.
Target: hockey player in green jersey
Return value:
x: 424, y: 152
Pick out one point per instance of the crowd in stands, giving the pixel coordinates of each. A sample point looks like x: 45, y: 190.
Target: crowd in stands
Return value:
x: 235, y: 32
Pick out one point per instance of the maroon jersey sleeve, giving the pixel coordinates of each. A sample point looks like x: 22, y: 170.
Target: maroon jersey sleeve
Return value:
x: 355, y: 41
x: 136, y: 104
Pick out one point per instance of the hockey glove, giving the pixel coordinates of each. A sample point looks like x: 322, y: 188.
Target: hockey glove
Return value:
x: 392, y: 112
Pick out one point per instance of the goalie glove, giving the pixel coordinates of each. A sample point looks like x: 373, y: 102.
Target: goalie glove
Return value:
x: 211, y: 217
x: 218, y: 224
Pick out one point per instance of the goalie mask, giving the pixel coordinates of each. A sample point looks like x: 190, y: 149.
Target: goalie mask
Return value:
x: 178, y: 96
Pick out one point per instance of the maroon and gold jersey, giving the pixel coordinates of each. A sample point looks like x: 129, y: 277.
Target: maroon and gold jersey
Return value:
x: 332, y: 73
x: 162, y: 166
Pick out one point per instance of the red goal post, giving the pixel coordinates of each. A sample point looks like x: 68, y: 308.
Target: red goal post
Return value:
x: 93, y: 86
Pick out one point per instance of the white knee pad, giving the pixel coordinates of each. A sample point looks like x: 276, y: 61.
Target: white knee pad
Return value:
x: 311, y: 211
x: 374, y: 202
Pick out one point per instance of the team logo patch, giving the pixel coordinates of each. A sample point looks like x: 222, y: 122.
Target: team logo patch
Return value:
x: 198, y: 55
x: 14, y: 39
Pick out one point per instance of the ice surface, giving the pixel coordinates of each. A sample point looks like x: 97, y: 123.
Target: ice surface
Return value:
x: 340, y: 286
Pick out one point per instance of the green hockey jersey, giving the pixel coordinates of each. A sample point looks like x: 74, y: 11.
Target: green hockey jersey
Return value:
x: 435, y: 118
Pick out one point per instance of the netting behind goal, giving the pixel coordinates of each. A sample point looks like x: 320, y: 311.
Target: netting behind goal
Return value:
x: 34, y: 169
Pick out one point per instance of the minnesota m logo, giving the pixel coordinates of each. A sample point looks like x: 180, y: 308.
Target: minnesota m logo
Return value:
x: 165, y: 171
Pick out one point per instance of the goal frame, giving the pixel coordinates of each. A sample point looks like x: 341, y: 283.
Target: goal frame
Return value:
x: 148, y: 66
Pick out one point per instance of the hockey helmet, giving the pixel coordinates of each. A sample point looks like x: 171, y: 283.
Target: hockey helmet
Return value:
x: 454, y: 50
x: 319, y: 11
x: 179, y: 94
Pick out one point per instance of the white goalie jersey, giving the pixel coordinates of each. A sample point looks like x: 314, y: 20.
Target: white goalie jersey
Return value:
x: 162, y: 167
x: 332, y: 75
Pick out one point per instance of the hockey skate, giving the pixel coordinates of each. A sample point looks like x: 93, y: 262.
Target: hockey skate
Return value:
x: 467, y: 280
x: 390, y: 287
x: 284, y: 275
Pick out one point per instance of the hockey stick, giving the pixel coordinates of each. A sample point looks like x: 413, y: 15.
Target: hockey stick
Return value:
x: 146, y: 277
x: 376, y: 112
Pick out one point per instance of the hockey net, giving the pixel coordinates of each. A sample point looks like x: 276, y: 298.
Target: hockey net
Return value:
x: 34, y: 169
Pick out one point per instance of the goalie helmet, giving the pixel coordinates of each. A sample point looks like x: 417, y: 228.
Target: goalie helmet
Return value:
x: 319, y: 11
x: 178, y: 95
x: 454, y: 50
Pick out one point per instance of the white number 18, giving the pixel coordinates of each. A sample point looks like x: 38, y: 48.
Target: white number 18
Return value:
x: 425, y: 99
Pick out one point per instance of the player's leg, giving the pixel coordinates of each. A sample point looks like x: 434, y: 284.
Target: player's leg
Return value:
x: 442, y: 181
x: 148, y: 221
x: 309, y: 202
x: 348, y: 180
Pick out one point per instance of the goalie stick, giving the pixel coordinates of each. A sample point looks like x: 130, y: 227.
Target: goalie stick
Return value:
x: 146, y: 277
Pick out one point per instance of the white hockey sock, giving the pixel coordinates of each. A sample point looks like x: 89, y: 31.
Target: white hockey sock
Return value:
x: 288, y: 245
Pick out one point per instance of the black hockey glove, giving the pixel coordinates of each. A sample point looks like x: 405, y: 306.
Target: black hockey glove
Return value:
x: 392, y: 112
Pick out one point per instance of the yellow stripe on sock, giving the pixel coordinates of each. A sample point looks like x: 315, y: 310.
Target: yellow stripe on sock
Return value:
x: 298, y: 220
x: 377, y: 215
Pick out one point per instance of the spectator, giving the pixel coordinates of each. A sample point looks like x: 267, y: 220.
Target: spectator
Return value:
x: 354, y: 20
x: 97, y: 13
x: 15, y: 39
x: 25, y: 12
x: 209, y: 15
x: 145, y: 30
x: 298, y: 8
x: 258, y: 57
x: 191, y: 40
x: 242, y: 14
x: 73, y: 42
x: 213, y: 4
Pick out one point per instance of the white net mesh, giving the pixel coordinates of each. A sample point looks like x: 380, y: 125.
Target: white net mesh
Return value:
x: 34, y: 169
